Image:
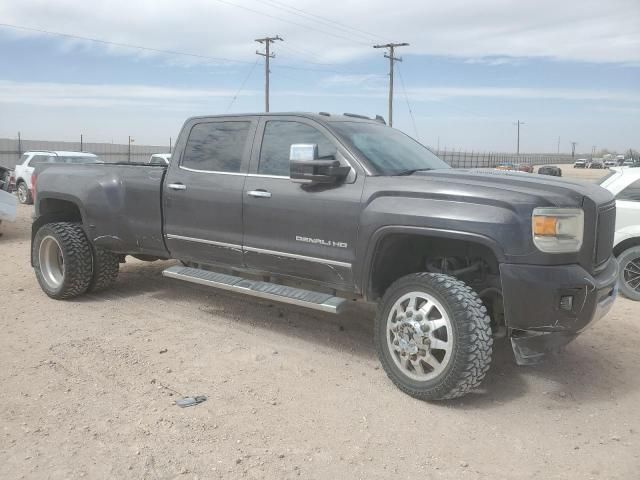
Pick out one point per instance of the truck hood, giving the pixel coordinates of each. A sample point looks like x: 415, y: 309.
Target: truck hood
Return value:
x: 507, y: 186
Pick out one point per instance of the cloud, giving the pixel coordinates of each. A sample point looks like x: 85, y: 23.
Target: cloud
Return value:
x: 84, y: 95
x: 441, y: 93
x: 109, y: 96
x: 574, y: 30
x: 352, y: 80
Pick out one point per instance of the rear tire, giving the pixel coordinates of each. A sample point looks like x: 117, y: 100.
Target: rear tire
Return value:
x: 106, y: 265
x: 442, y: 345
x: 24, y: 194
x: 62, y: 260
x: 629, y: 274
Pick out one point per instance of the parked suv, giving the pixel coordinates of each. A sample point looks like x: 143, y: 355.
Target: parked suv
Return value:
x: 624, y: 183
x: 580, y: 163
x: 316, y: 210
x: 25, y: 168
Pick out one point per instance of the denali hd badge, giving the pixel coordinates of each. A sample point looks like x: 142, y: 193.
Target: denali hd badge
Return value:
x: 319, y: 241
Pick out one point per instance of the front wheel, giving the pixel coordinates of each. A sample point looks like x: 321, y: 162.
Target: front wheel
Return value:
x: 629, y: 276
x: 433, y: 336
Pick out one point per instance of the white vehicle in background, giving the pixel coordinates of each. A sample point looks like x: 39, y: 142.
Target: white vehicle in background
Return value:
x: 580, y: 163
x: 624, y: 183
x: 610, y: 163
x: 25, y: 168
x: 160, y: 159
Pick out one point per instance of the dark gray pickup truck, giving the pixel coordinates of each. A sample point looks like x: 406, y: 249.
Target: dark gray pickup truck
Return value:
x: 315, y: 209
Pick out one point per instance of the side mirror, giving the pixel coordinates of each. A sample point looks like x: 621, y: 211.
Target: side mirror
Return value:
x: 306, y: 167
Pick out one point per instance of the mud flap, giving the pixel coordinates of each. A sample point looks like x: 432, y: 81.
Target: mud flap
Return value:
x: 531, y: 348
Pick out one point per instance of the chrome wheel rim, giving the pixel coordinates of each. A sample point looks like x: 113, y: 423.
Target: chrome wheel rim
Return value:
x: 419, y: 336
x: 632, y: 274
x: 51, y: 262
x: 22, y: 193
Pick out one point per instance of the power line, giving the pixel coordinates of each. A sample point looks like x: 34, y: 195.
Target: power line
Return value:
x: 392, y: 59
x: 406, y: 97
x: 267, y: 41
x: 301, y: 55
x: 246, y: 79
x: 308, y: 27
x: 124, y: 45
x: 159, y: 50
x: 320, y: 19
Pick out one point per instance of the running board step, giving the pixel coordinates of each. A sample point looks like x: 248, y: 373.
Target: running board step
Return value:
x: 270, y: 291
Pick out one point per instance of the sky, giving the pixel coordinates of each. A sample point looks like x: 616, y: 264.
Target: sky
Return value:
x: 569, y: 70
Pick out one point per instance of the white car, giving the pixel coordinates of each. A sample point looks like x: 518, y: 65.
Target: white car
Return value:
x: 624, y: 183
x: 160, y: 159
x: 25, y: 168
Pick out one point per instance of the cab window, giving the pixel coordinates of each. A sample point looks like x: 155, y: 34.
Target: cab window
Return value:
x: 216, y: 146
x: 278, y: 137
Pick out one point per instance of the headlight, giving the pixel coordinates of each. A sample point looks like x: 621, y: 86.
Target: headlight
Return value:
x: 557, y: 230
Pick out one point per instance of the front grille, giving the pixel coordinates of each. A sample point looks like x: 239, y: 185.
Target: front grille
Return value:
x: 605, y: 229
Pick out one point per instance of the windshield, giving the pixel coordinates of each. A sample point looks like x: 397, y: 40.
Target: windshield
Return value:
x: 389, y: 151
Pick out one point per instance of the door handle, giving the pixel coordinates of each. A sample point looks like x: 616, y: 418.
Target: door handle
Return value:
x: 177, y: 186
x: 259, y: 193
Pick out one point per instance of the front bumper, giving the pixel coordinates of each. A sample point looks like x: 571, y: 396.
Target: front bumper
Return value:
x: 532, y: 303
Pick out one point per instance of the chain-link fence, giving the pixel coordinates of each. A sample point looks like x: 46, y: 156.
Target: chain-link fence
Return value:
x: 460, y: 159
x: 11, y: 149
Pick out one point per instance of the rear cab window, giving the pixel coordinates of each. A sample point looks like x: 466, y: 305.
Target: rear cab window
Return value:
x: 216, y: 146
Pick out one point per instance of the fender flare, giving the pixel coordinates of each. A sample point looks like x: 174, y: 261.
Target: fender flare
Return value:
x: 382, y: 232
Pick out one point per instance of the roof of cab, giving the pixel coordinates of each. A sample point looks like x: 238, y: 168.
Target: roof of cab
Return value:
x: 321, y: 116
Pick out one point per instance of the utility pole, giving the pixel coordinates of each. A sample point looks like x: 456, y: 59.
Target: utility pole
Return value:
x: 267, y: 42
x: 518, y: 123
x: 129, y: 150
x: 558, y: 145
x: 81, y: 143
x: 573, y: 149
x: 392, y: 59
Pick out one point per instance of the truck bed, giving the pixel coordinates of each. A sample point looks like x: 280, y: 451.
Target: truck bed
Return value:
x: 120, y: 204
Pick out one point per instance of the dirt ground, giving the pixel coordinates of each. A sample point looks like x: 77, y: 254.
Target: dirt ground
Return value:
x: 87, y: 390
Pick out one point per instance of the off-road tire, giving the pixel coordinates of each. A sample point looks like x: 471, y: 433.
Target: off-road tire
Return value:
x: 76, y: 252
x: 24, y: 194
x: 472, y: 340
x: 630, y: 254
x: 105, y: 269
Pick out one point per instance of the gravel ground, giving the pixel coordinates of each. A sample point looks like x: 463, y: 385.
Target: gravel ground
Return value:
x: 88, y: 388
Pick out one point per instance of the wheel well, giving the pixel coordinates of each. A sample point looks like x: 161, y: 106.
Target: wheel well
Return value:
x: 476, y: 264
x: 625, y: 244
x: 398, y: 255
x: 55, y: 210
